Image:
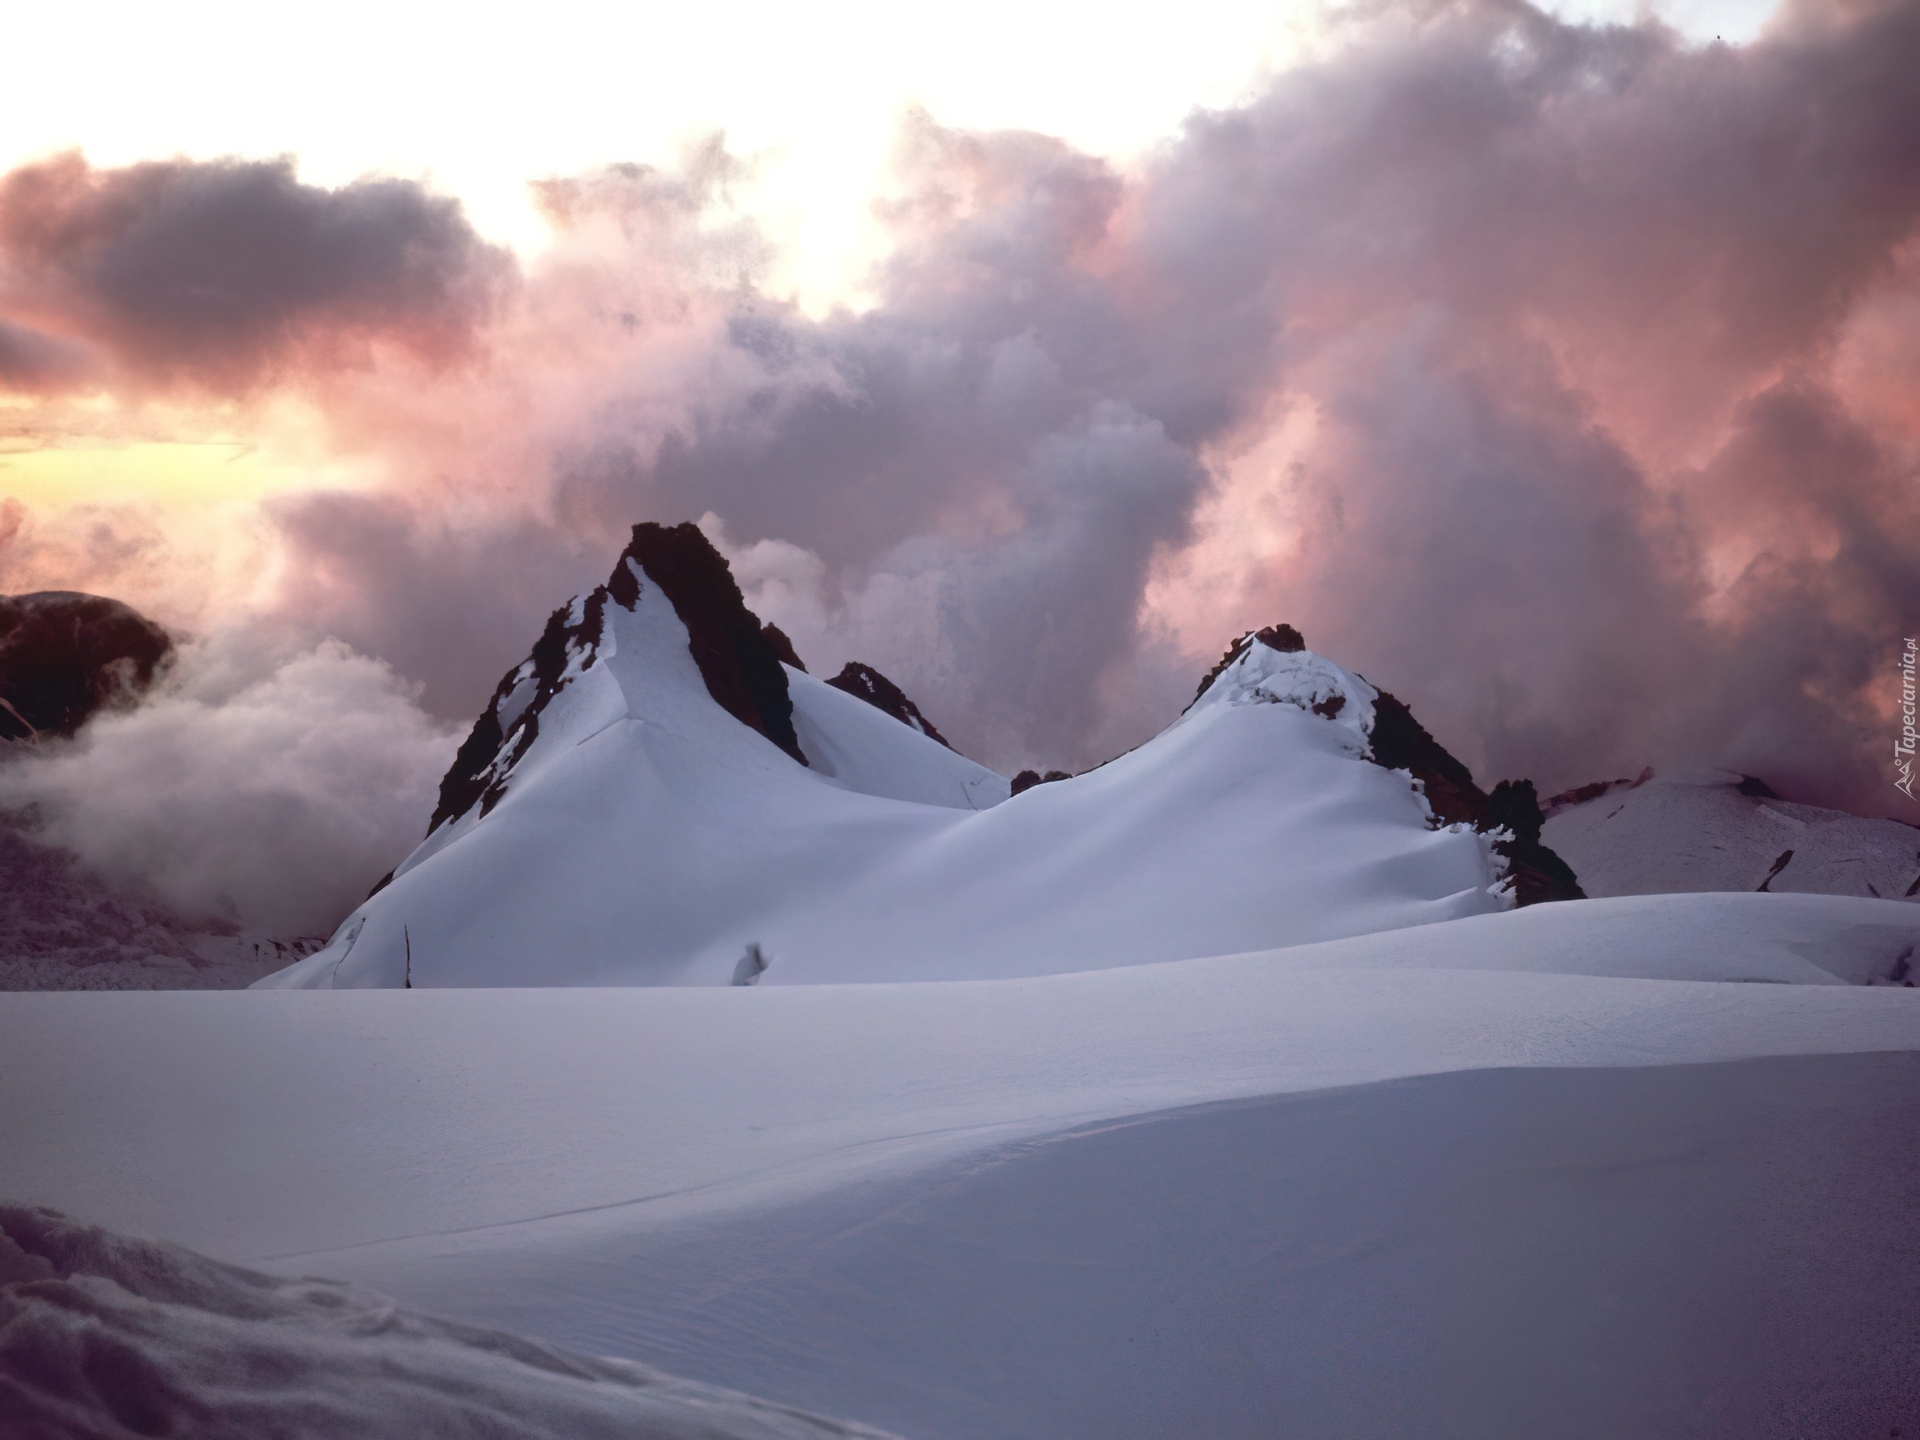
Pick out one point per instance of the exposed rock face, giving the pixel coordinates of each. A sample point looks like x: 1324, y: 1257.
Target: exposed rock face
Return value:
x: 737, y: 657
x: 740, y: 665
x: 64, y: 655
x: 868, y: 684
x: 1400, y: 742
x: 782, y: 647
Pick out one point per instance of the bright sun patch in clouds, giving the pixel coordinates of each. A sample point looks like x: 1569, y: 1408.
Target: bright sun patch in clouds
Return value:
x: 180, y: 475
x: 813, y: 96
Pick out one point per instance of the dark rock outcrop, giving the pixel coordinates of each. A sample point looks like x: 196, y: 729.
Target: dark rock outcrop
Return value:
x: 868, y: 684
x: 738, y: 658
x: 1580, y: 794
x: 1764, y: 887
x: 64, y: 655
x: 782, y: 647
x: 1027, y: 779
x: 740, y: 666
x: 484, y: 760
x: 1400, y: 742
x: 1538, y: 871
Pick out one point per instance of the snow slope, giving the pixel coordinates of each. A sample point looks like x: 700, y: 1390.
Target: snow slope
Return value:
x: 105, y: 1335
x: 641, y: 833
x: 1700, y: 830
x: 964, y: 1209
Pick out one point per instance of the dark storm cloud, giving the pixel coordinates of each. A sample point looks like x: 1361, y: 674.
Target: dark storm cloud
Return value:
x: 31, y: 362
x: 229, y: 273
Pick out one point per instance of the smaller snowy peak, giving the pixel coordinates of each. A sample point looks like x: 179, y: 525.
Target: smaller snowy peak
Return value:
x: 868, y: 684
x: 65, y: 655
x: 1274, y: 666
x: 1704, y: 829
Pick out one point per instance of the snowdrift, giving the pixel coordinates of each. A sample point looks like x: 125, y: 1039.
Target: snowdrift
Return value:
x: 107, y: 1335
x: 653, y: 792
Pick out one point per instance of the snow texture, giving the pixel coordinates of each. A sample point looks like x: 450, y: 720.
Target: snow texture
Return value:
x: 1696, y: 1250
x: 1584, y: 1186
x: 102, y: 1335
x: 1698, y: 831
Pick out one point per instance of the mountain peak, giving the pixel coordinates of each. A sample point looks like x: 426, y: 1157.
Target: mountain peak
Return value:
x: 1274, y: 665
x: 736, y: 657
x: 738, y: 660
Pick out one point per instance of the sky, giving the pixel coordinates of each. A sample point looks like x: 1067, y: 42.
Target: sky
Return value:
x: 1556, y: 369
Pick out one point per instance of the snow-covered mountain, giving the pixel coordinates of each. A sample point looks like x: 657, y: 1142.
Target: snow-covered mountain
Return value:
x: 1715, y: 830
x: 653, y: 796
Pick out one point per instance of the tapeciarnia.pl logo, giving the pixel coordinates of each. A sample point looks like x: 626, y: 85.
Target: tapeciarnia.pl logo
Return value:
x: 1903, y: 748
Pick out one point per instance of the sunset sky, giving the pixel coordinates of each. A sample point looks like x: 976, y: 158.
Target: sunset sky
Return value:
x: 1559, y: 370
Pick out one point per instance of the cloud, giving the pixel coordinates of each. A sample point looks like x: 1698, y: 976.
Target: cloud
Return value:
x: 1520, y: 288
x: 1558, y: 377
x: 227, y: 274
x: 31, y: 362
x: 269, y: 790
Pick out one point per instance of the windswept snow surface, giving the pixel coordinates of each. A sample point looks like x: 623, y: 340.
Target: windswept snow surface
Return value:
x: 1696, y: 831
x: 1501, y: 1177
x: 647, y: 838
x: 103, y: 1335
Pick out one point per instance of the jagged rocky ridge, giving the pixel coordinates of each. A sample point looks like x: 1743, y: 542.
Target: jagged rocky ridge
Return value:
x: 868, y: 684
x: 1397, y: 741
x: 64, y: 655
x: 738, y: 658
